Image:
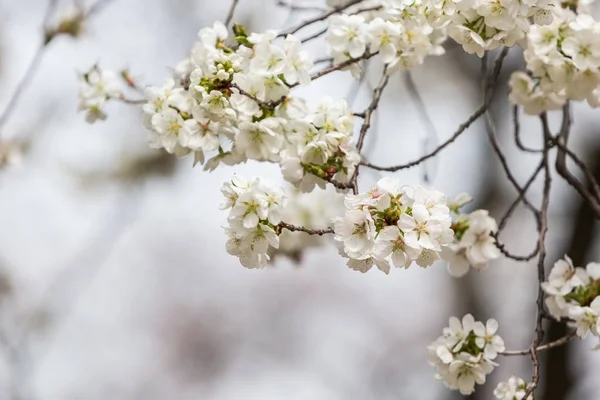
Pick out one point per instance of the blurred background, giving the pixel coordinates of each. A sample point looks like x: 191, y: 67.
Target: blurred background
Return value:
x: 114, y: 280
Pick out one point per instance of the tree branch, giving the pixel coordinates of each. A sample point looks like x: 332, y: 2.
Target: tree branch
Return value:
x: 295, y: 228
x: 318, y: 18
x: 547, y: 346
x: 490, y: 87
x: 231, y: 12
x: 561, y: 163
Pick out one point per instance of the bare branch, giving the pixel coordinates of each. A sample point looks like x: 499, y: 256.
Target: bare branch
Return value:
x: 97, y: 7
x: 430, y: 131
x: 517, y: 132
x: 318, y: 18
x: 49, y: 35
x: 508, y: 214
x: 592, y: 200
x: 295, y: 228
x: 293, y: 7
x: 368, y: 114
x: 231, y: 12
x: 547, y: 346
x: 541, y: 274
x: 462, y: 127
x: 339, y: 66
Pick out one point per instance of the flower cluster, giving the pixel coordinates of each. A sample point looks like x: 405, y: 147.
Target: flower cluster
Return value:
x: 309, y: 210
x: 255, y: 211
x: 403, y: 33
x: 574, y: 292
x: 481, y: 25
x: 96, y: 87
x: 513, y: 389
x: 464, y: 354
x: 473, y: 246
x: 393, y: 224
x: 318, y: 144
x: 564, y: 63
x: 226, y: 96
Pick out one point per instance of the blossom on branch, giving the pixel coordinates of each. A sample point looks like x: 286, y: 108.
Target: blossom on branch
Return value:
x: 464, y: 354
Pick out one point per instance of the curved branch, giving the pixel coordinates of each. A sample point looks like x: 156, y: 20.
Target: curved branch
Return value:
x: 592, y: 199
x: 489, y: 91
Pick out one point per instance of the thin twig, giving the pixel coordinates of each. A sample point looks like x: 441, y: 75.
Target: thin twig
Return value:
x: 130, y: 101
x: 339, y: 66
x: 462, y: 127
x: 547, y: 346
x: 561, y: 162
x: 232, y: 8
x: 32, y: 68
x: 541, y: 274
x: 298, y: 7
x: 430, y: 131
x: 511, y: 209
x: 295, y: 228
x: 318, y: 18
x: 517, y: 132
x: 368, y: 114
x: 97, y: 7
x: 48, y: 37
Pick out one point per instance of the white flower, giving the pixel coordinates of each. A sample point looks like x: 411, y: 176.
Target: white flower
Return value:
x: 95, y: 88
x: 420, y: 230
x: 593, y: 270
x: 168, y: 125
x: 458, y: 264
x: 232, y: 190
x: 157, y: 97
x: 366, y: 264
x: 564, y: 277
x: 470, y: 41
x: 298, y: 63
x: 454, y: 203
x: 456, y: 333
x: 390, y: 241
x: 487, y: 340
x: 584, y: 50
x: 216, y: 103
x: 255, y: 207
x: 348, y: 34
x: 513, y: 389
x: 201, y: 133
x: 466, y: 371
x: 384, y: 35
x: 357, y: 231
x: 464, y: 354
x: 586, y: 319
x: 259, y: 140
x: 250, y: 208
x: 209, y: 37
x: 268, y: 59
x: 480, y: 245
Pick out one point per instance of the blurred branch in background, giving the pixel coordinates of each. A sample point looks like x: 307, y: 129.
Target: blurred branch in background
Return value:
x: 70, y: 25
x: 559, y: 376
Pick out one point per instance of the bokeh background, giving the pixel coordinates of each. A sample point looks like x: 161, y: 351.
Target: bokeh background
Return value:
x: 115, y: 283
